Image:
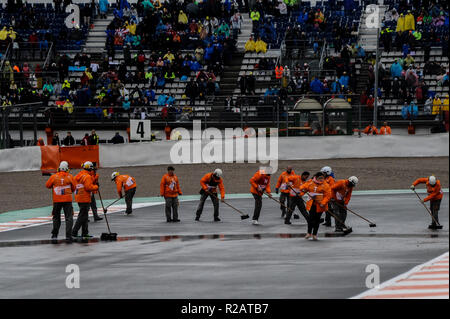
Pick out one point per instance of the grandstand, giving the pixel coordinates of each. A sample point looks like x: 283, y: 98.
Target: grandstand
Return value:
x: 115, y: 65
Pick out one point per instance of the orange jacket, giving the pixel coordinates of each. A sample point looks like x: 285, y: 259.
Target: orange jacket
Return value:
x: 209, y: 183
x: 260, y: 181
x: 125, y: 181
x: 63, y: 186
x: 320, y: 193
x: 169, y: 186
x: 295, y: 182
x: 434, y: 192
x: 385, y: 130
x: 85, y: 185
x: 282, y: 180
x: 330, y: 180
x: 95, y: 181
x: 279, y: 72
x: 371, y: 130
x: 341, y: 192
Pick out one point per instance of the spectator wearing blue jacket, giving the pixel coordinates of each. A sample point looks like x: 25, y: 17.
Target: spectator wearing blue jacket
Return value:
x: 396, y: 69
x: 303, y: 17
x: 410, y: 111
x: 103, y: 6
x: 126, y: 104
x: 162, y: 100
x: 336, y: 86
x: 195, y: 66
x: 316, y: 86
x: 344, y: 80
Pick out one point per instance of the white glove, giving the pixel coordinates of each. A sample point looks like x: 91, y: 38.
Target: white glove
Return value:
x: 412, y: 187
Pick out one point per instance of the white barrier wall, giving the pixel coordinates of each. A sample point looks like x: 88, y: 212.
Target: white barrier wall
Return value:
x: 289, y: 148
x: 20, y: 159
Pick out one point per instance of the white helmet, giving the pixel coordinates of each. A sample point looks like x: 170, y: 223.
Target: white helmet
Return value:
x: 353, y: 180
x: 432, y: 180
x: 63, y: 166
x: 218, y: 172
x: 114, y: 175
x: 88, y: 166
x: 326, y: 170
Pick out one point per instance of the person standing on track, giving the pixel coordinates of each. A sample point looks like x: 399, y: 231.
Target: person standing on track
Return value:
x: 169, y: 188
x: 341, y: 193
x: 295, y: 182
x: 128, y: 183
x: 319, y: 191
x: 83, y: 196
x: 209, y: 184
x: 93, y: 202
x: 260, y: 184
x: 435, y: 195
x: 329, y: 178
x: 63, y: 185
x: 282, y: 186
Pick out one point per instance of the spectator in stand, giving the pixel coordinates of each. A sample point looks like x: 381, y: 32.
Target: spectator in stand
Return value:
x: 410, y: 111
x: 85, y: 140
x: 103, y: 8
x: 370, y: 102
x: 117, y: 139
x: 250, y: 45
x: 69, y: 140
x: 55, y: 139
x: 260, y: 46
x: 437, y: 106
x: 93, y: 138
x: 396, y: 69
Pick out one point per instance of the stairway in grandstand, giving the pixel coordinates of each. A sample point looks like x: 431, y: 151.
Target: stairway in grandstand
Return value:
x: 96, y: 39
x: 246, y: 31
x: 367, y: 37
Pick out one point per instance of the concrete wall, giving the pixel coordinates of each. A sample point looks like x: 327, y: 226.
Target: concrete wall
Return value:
x: 290, y: 148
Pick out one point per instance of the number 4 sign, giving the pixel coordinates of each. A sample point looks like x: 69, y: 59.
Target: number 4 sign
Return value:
x: 140, y: 130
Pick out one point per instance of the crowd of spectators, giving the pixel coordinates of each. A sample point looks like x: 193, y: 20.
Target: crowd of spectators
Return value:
x: 407, y: 28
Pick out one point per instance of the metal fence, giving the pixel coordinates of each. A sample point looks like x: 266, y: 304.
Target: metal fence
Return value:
x: 278, y: 114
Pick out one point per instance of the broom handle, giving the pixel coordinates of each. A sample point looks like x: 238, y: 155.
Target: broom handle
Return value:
x: 279, y: 203
x: 114, y: 202
x: 229, y: 205
x: 353, y: 212
x: 434, y: 219
x: 104, y: 211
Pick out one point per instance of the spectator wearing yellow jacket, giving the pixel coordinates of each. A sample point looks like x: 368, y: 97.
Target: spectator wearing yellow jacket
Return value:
x: 12, y: 34
x: 437, y: 105
x: 409, y: 21
x: 182, y: 18
x: 250, y: 45
x: 131, y: 27
x: 68, y: 106
x: 400, y: 23
x: 445, y: 105
x: 260, y: 46
x: 3, y: 34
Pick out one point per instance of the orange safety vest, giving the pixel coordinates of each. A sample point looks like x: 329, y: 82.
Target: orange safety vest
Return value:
x: 63, y: 185
x: 279, y: 72
x: 85, y: 185
x: 125, y: 181
x: 169, y: 186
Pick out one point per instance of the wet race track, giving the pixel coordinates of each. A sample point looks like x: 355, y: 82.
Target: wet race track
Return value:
x: 227, y: 259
